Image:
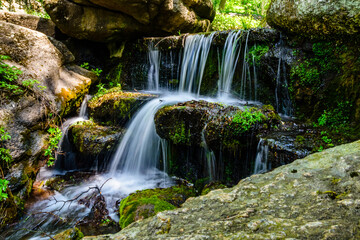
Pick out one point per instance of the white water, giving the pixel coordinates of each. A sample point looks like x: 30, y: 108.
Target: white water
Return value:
x: 194, y: 58
x: 64, y: 129
x: 139, y: 148
x: 230, y: 57
x: 153, y: 74
x: 261, y: 160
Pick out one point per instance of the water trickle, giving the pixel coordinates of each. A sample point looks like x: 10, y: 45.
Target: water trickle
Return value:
x: 261, y: 160
x: 282, y: 97
x: 64, y: 157
x: 153, y: 74
x: 230, y: 57
x: 194, y: 58
x: 245, y: 72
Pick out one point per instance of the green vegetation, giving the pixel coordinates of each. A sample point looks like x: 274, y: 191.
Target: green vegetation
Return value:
x: 9, y: 79
x: 256, y: 52
x: 97, y: 71
x: 246, y: 119
x: 239, y: 14
x: 5, y: 159
x: 50, y: 152
x: 147, y: 203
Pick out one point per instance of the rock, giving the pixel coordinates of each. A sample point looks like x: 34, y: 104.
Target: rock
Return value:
x: 314, y: 18
x: 116, y: 107
x: 33, y: 22
x: 278, y: 204
x: 146, y: 203
x: 91, y: 144
x: 105, y: 21
x: 209, y: 140
x: 22, y: 6
x: 25, y: 115
x: 70, y: 234
x: 98, y: 221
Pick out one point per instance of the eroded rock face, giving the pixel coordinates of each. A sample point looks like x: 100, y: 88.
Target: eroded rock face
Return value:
x: 312, y: 198
x: 24, y: 115
x: 103, y: 21
x: 315, y: 18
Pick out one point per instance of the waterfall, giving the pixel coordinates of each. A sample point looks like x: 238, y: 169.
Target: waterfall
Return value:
x: 195, y: 54
x: 139, y: 149
x: 153, y: 74
x: 67, y: 162
x: 261, y: 160
x: 230, y: 57
x: 282, y: 97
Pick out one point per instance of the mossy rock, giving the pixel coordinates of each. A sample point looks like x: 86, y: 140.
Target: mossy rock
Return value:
x: 183, y: 123
x: 212, y: 186
x: 147, y: 203
x: 70, y: 234
x: 116, y: 107
x: 232, y: 130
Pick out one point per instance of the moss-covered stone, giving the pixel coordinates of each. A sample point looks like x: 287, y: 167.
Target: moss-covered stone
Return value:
x: 147, y: 203
x: 312, y: 198
x: 332, y: 18
x: 70, y: 234
x: 116, y: 107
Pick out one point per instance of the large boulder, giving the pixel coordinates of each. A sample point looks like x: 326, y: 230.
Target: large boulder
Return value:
x: 312, y: 198
x: 104, y: 21
x: 315, y: 18
x: 33, y: 22
x: 25, y: 114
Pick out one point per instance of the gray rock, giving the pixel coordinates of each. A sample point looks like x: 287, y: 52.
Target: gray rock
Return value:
x: 105, y: 21
x: 312, y: 198
x: 315, y: 18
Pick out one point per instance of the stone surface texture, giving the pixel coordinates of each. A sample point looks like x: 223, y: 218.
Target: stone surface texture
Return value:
x: 315, y: 18
x: 103, y: 21
x: 312, y: 198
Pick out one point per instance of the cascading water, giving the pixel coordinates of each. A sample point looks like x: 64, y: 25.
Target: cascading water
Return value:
x: 153, y: 74
x: 195, y: 54
x: 67, y: 161
x: 230, y: 57
x: 282, y: 97
x: 261, y: 160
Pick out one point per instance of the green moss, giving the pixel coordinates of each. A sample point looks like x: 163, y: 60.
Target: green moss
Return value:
x: 146, y: 203
x: 70, y: 234
x: 244, y: 120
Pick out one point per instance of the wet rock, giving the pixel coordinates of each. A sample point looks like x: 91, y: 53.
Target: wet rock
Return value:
x: 61, y: 182
x: 146, y: 203
x: 91, y: 144
x: 105, y: 21
x: 211, y: 139
x: 98, y: 222
x: 24, y: 115
x: 315, y: 18
x: 282, y: 203
x: 70, y: 234
x: 116, y: 107
x: 22, y: 6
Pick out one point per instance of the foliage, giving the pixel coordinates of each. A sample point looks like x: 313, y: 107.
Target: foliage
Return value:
x: 310, y: 70
x: 239, y: 14
x: 50, y: 152
x: 247, y: 118
x: 5, y: 158
x: 225, y: 21
x: 9, y: 76
x: 257, y: 7
x: 86, y: 65
x: 337, y: 118
x: 256, y: 52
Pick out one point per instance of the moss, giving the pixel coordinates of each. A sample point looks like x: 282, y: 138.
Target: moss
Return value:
x: 115, y: 107
x: 70, y: 234
x: 146, y: 203
x: 212, y: 186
